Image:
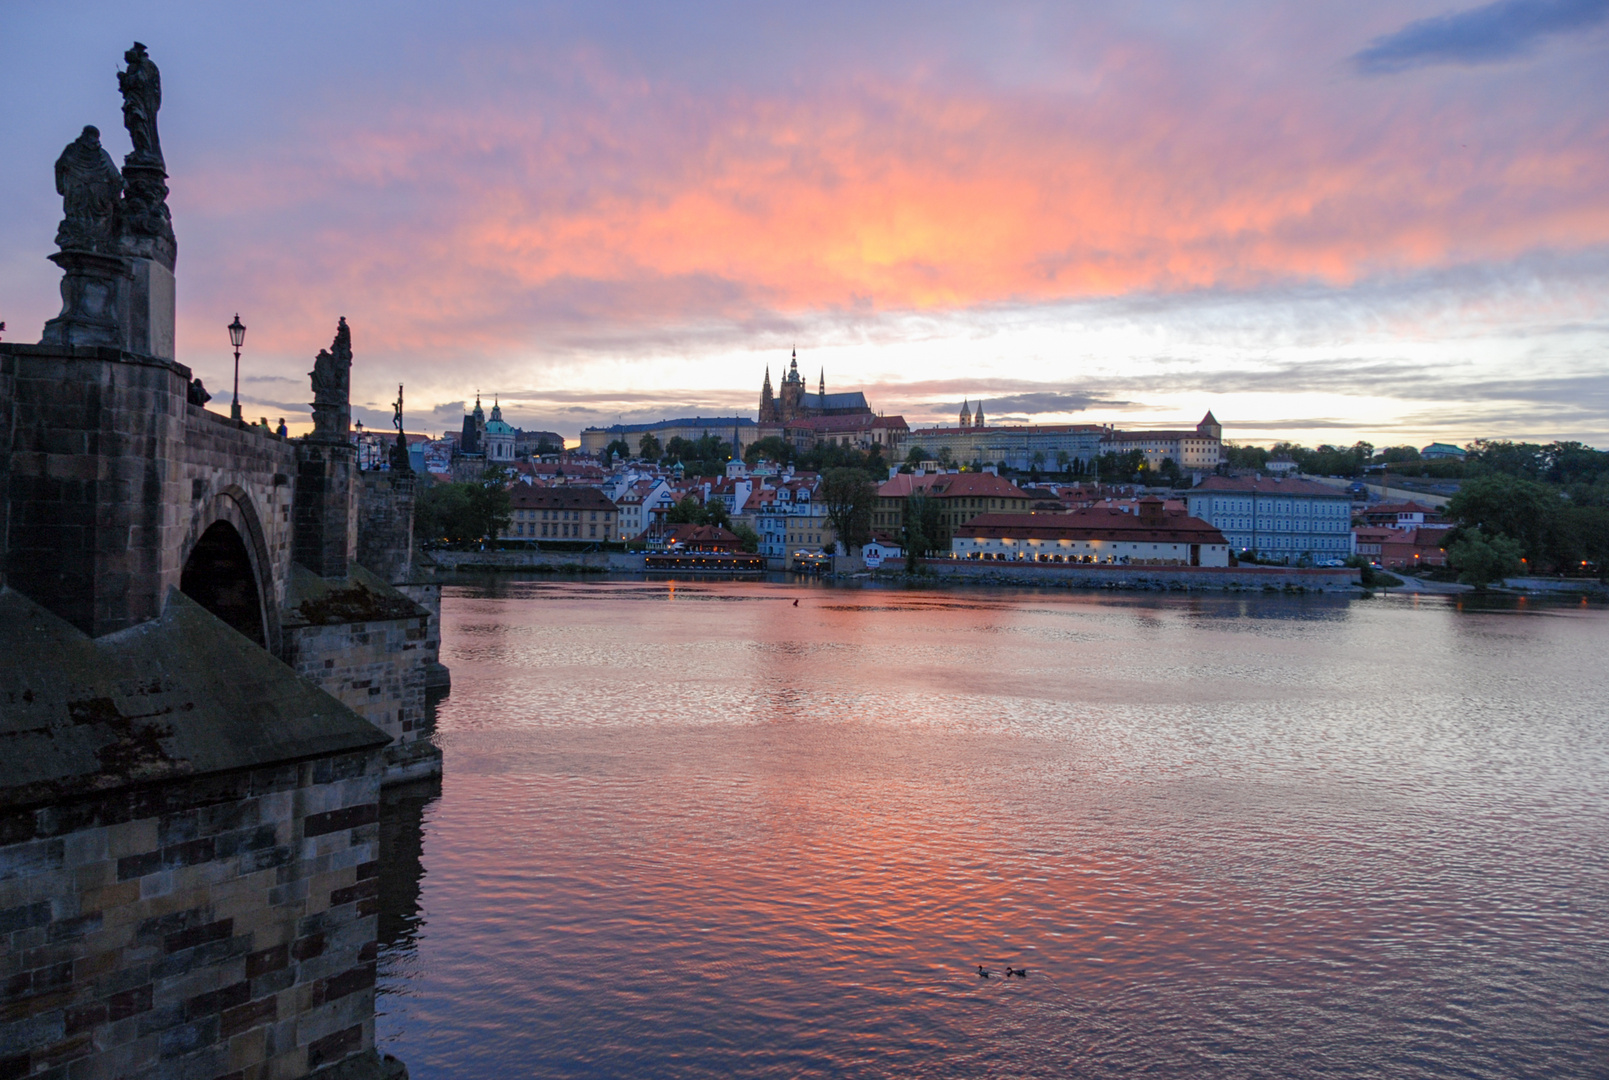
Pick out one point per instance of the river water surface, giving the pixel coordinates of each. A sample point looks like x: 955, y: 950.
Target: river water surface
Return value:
x: 700, y: 831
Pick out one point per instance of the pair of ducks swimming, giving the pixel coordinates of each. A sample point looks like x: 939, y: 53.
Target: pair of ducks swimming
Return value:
x: 1021, y: 973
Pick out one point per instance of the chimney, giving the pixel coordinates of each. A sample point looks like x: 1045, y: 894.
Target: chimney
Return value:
x: 1151, y: 512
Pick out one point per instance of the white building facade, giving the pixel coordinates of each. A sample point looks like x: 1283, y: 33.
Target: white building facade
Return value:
x: 1286, y: 520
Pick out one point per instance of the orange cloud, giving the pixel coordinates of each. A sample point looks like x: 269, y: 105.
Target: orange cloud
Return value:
x: 464, y: 231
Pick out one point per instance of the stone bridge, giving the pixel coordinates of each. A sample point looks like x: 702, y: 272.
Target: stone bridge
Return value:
x: 215, y: 655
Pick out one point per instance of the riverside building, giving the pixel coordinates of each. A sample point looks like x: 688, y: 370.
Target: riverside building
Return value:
x: 1283, y: 519
x: 1096, y: 536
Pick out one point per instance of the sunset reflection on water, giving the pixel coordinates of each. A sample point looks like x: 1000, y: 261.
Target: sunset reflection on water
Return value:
x: 700, y: 831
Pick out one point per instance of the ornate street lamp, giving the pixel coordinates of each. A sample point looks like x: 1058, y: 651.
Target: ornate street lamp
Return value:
x: 237, y: 335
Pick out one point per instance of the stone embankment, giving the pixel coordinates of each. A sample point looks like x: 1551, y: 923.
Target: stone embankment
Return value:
x: 1180, y: 578
x: 589, y: 562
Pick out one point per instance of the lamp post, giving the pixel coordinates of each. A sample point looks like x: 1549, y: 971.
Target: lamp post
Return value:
x: 237, y: 335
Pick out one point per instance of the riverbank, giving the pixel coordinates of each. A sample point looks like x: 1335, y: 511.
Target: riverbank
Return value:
x: 1167, y: 578
x: 939, y: 571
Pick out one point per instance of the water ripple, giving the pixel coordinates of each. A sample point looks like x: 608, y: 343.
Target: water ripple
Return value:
x: 698, y: 831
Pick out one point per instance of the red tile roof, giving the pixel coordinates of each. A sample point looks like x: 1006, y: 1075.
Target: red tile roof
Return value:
x: 1267, y: 485
x: 950, y: 486
x: 702, y: 538
x: 529, y: 497
x: 1092, y: 524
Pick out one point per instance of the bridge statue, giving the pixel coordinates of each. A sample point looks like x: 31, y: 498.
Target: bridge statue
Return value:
x: 89, y: 186
x: 399, y: 452
x: 141, y: 85
x: 332, y: 387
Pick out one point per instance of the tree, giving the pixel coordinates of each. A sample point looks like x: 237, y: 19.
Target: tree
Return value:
x: 921, y: 530
x: 1245, y: 457
x: 715, y: 513
x: 1481, y: 559
x: 618, y: 447
x: 1120, y: 468
x: 772, y: 448
x: 648, y: 447
x: 849, y: 499
x: 464, y: 513
x: 687, y: 511
x: 442, y: 512
x: 915, y: 456
x: 749, y: 538
x: 1521, y: 510
x: 489, y: 501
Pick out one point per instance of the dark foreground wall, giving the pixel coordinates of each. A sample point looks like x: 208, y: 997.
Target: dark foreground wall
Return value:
x: 188, y: 846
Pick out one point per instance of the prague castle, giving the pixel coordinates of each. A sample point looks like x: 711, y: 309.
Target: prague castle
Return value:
x: 793, y: 403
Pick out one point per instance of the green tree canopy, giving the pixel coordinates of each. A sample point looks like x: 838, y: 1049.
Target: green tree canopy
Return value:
x: 648, y: 447
x: 772, y: 448
x: 1522, y: 510
x: 1481, y: 559
x: 463, y: 513
x: 849, y: 498
x: 921, y: 529
x: 687, y: 511
x: 617, y: 446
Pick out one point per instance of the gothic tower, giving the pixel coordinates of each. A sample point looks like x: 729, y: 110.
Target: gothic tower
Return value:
x: 966, y: 413
x: 768, y: 402
x: 977, y: 417
x: 792, y: 392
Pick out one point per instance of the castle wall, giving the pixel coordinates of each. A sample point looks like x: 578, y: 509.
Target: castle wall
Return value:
x: 223, y: 925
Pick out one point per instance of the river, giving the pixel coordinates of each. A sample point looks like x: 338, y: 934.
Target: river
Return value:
x: 701, y: 830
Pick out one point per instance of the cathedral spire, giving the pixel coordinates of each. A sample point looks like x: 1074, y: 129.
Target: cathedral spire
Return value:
x: 823, y: 382
x: 966, y: 412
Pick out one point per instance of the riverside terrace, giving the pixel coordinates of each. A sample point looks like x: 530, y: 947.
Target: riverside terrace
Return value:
x: 187, y: 825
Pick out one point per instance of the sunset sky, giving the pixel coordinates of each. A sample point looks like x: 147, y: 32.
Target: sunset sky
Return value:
x: 1324, y: 221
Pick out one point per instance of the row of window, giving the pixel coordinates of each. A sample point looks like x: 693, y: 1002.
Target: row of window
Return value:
x: 560, y: 531
x: 558, y: 515
x: 1289, y: 543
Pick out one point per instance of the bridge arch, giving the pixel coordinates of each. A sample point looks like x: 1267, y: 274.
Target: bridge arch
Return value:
x: 226, y: 568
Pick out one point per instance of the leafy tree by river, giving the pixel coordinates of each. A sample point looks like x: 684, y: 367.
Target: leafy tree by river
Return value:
x: 849, y: 498
x: 1553, y: 529
x: 463, y: 513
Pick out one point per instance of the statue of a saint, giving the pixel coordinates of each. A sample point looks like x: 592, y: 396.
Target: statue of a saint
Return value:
x: 332, y: 370
x: 141, y: 85
x: 89, y: 186
x: 396, y: 416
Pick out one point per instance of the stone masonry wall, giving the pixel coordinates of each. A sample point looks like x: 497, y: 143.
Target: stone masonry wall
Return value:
x: 373, y: 668
x: 88, y: 485
x: 222, y: 926
x: 385, y: 523
x: 427, y: 594
x: 322, y: 516
x: 113, y: 476
x: 250, y: 466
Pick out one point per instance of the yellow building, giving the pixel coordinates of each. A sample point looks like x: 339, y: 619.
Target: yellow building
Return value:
x: 809, y: 532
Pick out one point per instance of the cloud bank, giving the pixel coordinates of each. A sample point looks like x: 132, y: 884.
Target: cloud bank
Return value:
x: 1484, y: 35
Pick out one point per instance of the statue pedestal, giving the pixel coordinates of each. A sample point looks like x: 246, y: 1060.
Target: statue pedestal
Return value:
x: 150, y: 309
x: 94, y: 292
